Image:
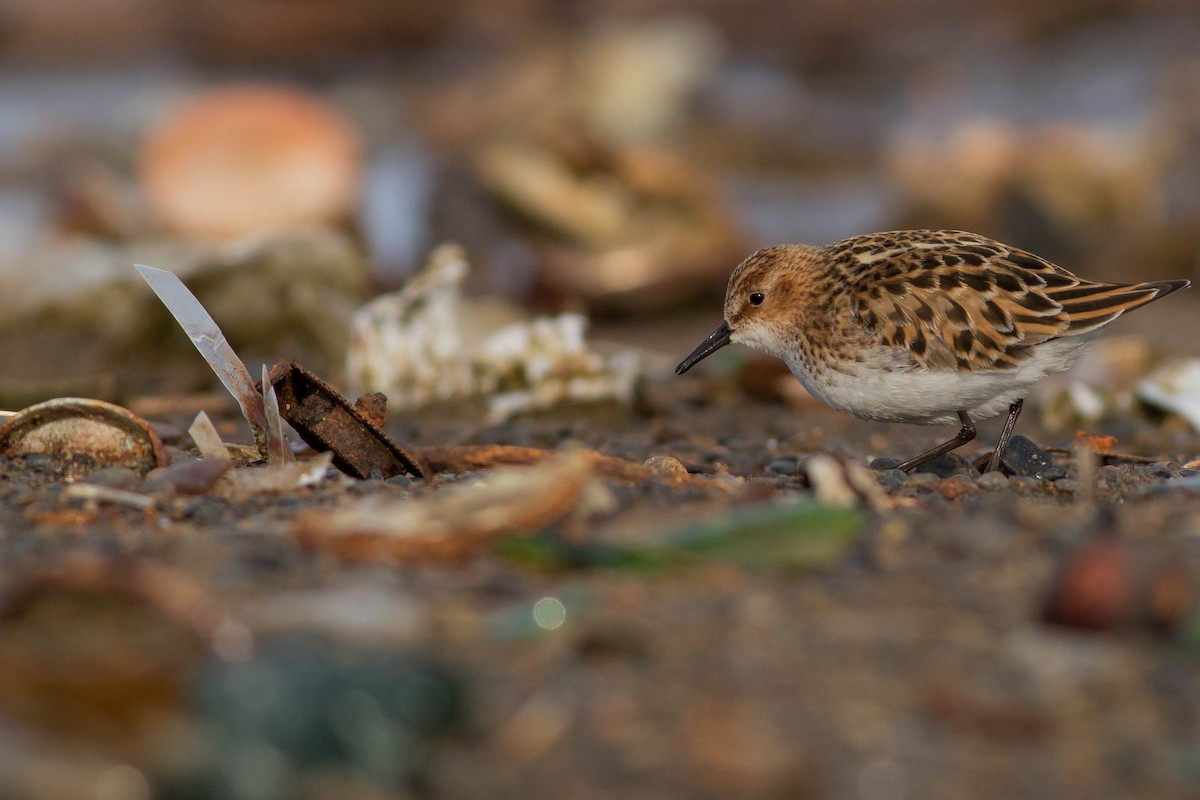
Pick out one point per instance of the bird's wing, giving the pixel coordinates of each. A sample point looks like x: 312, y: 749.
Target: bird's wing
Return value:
x: 959, y: 301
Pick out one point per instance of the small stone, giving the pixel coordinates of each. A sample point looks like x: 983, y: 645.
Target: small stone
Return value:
x: 1054, y: 473
x: 1023, y: 457
x: 666, y: 466
x: 992, y: 481
x: 1157, y: 471
x: 206, y: 509
x: 38, y: 460
x: 784, y: 466
x: 116, y: 478
x: 955, y: 487
x: 400, y: 480
x: 1023, y: 482
x: 890, y: 479
x: 922, y: 480
x: 949, y: 464
x: 195, y: 476
x: 1094, y: 588
x: 1066, y: 485
x: 884, y: 463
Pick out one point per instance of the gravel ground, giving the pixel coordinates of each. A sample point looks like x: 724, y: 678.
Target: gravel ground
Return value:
x: 1010, y: 636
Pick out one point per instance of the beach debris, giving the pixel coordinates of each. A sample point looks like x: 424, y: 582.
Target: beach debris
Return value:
x: 1097, y: 443
x: 326, y: 421
x: 790, y: 535
x: 458, y: 521
x: 81, y: 434
x: 321, y: 416
x: 280, y: 452
x: 207, y: 440
x: 458, y: 459
x: 238, y: 484
x: 425, y: 343
x: 1174, y: 388
x: 92, y: 493
x: 804, y: 535
x: 193, y: 476
x: 840, y: 483
x: 202, y: 329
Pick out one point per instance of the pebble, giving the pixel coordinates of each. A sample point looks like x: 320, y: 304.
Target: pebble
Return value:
x: 1024, y: 457
x: 193, y: 476
x: 1054, y: 473
x: 1023, y: 482
x: 992, y: 481
x: 713, y: 455
x: 885, y: 463
x: 116, y: 478
x: 948, y: 465
x: 38, y: 460
x: 665, y: 466
x: 891, y: 479
x: 1157, y: 471
x: 206, y: 509
x: 784, y: 466
x: 922, y: 480
x: 1066, y: 485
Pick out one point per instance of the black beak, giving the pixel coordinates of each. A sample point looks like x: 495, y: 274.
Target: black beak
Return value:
x: 715, y: 341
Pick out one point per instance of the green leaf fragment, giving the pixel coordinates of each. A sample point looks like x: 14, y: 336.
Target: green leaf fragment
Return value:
x: 797, y: 536
x: 806, y: 535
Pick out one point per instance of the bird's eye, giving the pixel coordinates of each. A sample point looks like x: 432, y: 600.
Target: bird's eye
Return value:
x: 757, y: 298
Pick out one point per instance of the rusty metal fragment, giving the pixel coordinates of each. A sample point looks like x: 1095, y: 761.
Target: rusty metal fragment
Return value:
x: 327, y: 421
x: 373, y: 406
x: 68, y: 428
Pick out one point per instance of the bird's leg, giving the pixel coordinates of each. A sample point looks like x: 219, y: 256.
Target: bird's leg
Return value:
x: 966, y: 434
x: 1014, y: 411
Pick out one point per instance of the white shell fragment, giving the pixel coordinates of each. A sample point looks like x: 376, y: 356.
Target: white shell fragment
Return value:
x: 425, y: 344
x: 206, y: 438
x: 1175, y: 388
